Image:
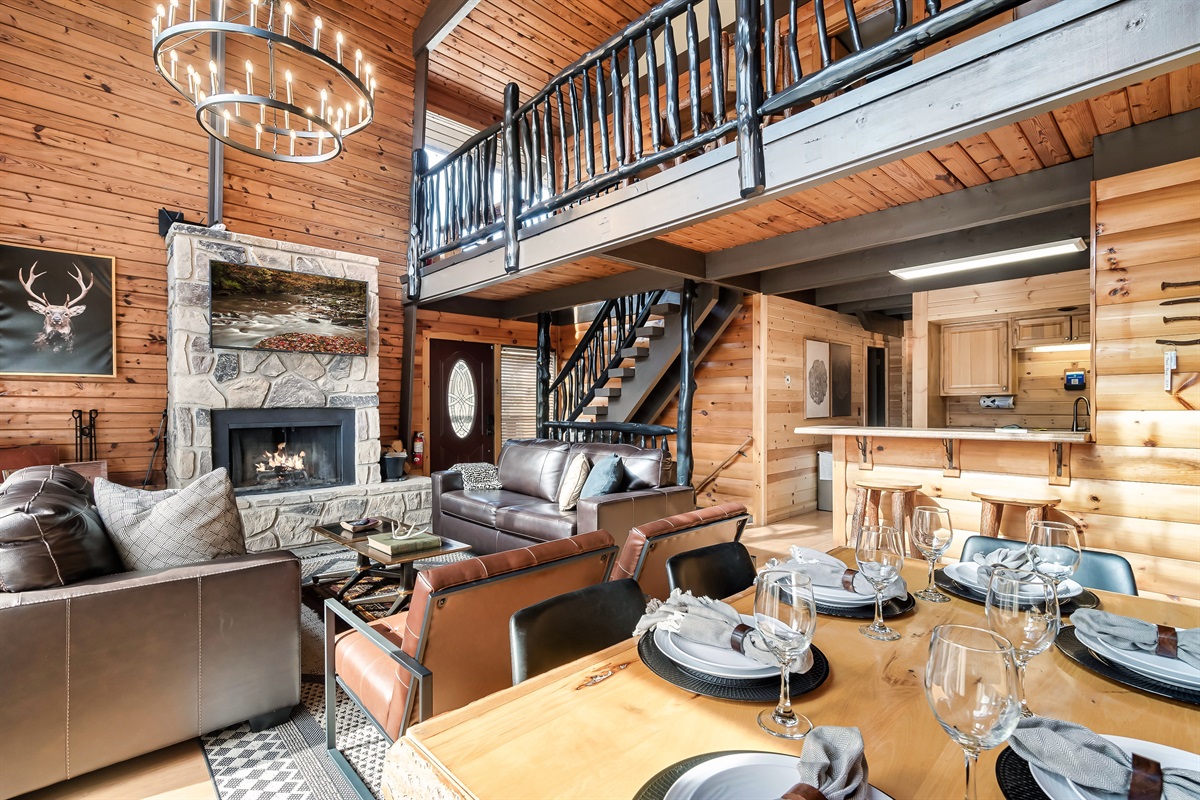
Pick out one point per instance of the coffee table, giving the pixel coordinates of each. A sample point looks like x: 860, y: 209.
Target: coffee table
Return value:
x: 372, y: 562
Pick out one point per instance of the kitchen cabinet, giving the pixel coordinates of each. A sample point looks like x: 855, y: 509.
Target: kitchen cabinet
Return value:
x: 1051, y: 329
x: 977, y: 358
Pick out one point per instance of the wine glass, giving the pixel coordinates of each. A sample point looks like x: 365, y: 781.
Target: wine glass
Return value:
x: 971, y: 686
x: 932, y: 534
x: 1053, y: 550
x: 880, y: 555
x: 785, y: 614
x: 1022, y: 607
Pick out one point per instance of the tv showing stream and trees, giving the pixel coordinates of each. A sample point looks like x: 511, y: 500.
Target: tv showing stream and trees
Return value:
x: 258, y: 308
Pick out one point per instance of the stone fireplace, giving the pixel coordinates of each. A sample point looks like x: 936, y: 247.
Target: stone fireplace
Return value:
x: 254, y: 412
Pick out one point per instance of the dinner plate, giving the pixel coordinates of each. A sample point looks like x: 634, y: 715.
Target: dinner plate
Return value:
x: 743, y: 776
x: 1167, y: 670
x: 967, y: 573
x: 836, y: 596
x: 719, y: 661
x: 1059, y: 788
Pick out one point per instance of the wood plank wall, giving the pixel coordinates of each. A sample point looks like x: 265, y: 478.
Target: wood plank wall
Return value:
x: 93, y: 143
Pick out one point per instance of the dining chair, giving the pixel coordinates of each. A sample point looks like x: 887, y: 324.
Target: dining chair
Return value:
x: 1097, y: 569
x: 560, y: 629
x: 455, y: 630
x: 645, y: 552
x: 718, y: 571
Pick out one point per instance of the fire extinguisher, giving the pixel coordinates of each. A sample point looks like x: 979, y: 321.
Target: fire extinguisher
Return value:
x: 418, y: 454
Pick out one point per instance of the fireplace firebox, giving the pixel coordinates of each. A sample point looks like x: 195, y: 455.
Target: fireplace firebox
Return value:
x: 284, y: 449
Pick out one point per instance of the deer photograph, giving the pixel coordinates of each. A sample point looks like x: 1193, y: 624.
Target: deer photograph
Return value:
x: 56, y: 312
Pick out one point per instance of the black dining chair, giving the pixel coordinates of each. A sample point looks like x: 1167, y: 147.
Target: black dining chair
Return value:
x: 1097, y: 570
x: 563, y: 628
x: 717, y: 571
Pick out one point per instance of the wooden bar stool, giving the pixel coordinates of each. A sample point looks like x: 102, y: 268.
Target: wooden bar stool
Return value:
x: 869, y: 493
x: 993, y: 510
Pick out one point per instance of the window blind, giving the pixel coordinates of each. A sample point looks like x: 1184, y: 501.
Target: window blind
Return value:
x: 518, y: 393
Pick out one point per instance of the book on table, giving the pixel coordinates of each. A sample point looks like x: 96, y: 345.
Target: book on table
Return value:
x: 384, y: 542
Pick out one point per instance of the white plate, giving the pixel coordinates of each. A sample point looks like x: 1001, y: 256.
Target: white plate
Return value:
x: 1059, y: 788
x: 967, y: 573
x: 836, y: 596
x: 742, y: 776
x: 1166, y: 670
x: 720, y: 662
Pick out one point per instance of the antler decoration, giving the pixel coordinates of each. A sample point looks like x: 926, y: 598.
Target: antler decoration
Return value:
x: 28, y: 284
x: 78, y: 276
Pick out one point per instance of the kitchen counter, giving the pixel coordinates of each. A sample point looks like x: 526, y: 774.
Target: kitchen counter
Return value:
x: 971, y: 434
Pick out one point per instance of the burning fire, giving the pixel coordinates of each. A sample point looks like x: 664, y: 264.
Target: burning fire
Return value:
x: 281, y: 460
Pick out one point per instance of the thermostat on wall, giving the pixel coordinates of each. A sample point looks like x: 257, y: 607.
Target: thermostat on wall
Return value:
x: 1075, y: 379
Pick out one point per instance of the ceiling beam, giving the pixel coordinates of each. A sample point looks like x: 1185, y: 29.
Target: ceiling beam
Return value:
x: 875, y: 264
x: 1063, y: 186
x: 663, y: 256
x: 880, y: 305
x: 880, y: 323
x: 621, y: 285
x: 440, y: 18
x: 471, y: 306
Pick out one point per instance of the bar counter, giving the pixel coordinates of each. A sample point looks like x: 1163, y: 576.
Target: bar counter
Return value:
x: 972, y: 434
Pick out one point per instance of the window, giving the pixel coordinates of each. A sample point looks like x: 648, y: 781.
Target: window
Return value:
x: 518, y: 393
x: 461, y: 400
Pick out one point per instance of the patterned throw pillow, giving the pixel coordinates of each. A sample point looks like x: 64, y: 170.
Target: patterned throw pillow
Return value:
x: 478, y: 476
x: 574, y: 475
x: 174, y: 527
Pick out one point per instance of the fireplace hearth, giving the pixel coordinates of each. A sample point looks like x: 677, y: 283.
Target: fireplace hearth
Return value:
x: 284, y: 449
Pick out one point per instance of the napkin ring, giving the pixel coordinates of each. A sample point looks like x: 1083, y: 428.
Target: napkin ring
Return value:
x: 1146, y: 783
x: 1168, y: 642
x: 738, y: 637
x: 803, y: 791
x: 848, y: 579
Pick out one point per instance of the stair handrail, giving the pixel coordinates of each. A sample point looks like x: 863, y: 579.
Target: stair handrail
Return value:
x: 613, y: 329
x: 638, y: 434
x: 712, y: 476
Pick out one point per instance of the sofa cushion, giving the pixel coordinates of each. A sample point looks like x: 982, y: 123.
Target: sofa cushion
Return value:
x: 481, y: 507
x: 542, y: 521
x: 50, y: 535
x: 533, y: 466
x: 574, y: 476
x: 606, y: 477
x: 59, y: 476
x: 643, y: 466
x: 171, y: 528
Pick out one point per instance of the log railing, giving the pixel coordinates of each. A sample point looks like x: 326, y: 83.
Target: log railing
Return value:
x: 653, y: 94
x: 634, y: 433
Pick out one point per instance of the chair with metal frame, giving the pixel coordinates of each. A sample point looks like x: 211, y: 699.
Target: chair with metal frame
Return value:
x: 456, y: 629
x: 644, y: 554
x: 718, y: 571
x: 1108, y: 572
x: 563, y: 628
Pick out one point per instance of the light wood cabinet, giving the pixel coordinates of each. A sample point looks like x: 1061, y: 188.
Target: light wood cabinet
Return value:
x: 977, y: 358
x: 1051, y: 329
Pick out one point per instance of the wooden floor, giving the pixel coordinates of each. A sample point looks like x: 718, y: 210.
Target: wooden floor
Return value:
x: 181, y: 773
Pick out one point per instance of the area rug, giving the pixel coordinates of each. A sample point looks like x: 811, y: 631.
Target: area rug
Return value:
x: 289, y: 762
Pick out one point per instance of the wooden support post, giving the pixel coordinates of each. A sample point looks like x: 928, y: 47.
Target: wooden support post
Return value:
x: 511, y: 142
x: 990, y: 517
x: 687, y: 384
x: 543, y: 373
x: 407, y: 369
x: 747, y: 61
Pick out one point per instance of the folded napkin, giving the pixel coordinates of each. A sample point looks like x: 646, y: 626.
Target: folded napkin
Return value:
x: 832, y: 763
x: 1007, y: 559
x: 1126, y: 633
x: 711, y: 622
x: 826, y: 570
x: 1089, y: 760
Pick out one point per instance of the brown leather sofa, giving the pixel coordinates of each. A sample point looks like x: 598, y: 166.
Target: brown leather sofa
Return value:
x: 526, y: 510
x: 117, y: 665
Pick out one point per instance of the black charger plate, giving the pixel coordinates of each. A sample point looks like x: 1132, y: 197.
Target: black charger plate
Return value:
x: 1015, y: 779
x: 758, y: 690
x: 1078, y: 652
x: 1085, y: 599
x: 891, y: 608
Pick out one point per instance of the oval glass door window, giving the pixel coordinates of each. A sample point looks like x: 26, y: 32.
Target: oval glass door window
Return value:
x: 461, y: 399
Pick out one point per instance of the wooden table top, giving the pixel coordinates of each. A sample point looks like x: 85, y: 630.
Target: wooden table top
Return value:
x: 358, y: 543
x: 604, y: 725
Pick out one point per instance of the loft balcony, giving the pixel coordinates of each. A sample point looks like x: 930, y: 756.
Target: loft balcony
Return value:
x: 806, y: 163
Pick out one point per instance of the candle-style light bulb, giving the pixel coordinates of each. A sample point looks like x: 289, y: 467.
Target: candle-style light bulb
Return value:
x: 347, y: 109
x: 227, y: 123
x: 237, y: 107
x: 310, y: 114
x: 316, y: 33
x: 362, y: 105
x: 249, y: 77
x: 258, y: 137
x: 156, y: 21
x: 287, y: 18
x: 212, y: 72
x: 253, y: 13
x: 372, y: 88
x: 320, y: 142
x: 201, y: 96
x: 324, y: 98
x: 221, y: 11
x: 171, y: 13
x: 174, y: 64
x: 287, y: 76
x: 191, y: 75
x: 339, y: 121
x: 357, y: 61
x: 292, y: 149
x: 339, y: 46
x: 192, y: 12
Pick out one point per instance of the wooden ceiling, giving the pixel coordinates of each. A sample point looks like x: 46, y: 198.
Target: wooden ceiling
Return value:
x: 582, y: 271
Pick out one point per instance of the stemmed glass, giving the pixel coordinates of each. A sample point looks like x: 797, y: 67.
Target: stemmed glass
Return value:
x: 785, y: 613
x: 880, y: 556
x: 932, y: 534
x: 1022, y: 607
x: 971, y: 686
x: 1053, y: 550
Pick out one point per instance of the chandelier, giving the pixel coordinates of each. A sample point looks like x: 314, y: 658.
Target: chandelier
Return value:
x: 259, y: 82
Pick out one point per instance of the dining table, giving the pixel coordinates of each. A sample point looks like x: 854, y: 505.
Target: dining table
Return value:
x: 604, y: 725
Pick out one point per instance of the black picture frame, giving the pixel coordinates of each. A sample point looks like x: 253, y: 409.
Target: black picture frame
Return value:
x: 40, y: 337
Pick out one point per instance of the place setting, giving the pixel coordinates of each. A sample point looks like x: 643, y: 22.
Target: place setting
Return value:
x: 1152, y: 658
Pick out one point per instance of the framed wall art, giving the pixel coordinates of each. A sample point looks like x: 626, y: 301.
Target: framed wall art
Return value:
x: 816, y: 379
x: 57, y: 313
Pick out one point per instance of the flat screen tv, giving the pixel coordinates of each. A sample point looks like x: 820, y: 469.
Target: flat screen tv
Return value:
x: 258, y: 308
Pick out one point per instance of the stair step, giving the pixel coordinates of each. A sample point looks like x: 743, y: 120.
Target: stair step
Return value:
x: 622, y: 372
x: 608, y: 391
x: 635, y: 352
x: 596, y: 411
x: 650, y: 331
x: 663, y: 309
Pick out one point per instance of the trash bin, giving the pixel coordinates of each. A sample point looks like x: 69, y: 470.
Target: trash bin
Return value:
x: 824, y: 480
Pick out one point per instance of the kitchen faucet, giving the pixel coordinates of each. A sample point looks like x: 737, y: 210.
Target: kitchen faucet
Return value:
x: 1075, y: 414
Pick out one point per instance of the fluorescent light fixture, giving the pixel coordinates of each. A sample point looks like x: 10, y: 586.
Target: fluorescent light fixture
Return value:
x: 1059, y: 348
x: 992, y: 259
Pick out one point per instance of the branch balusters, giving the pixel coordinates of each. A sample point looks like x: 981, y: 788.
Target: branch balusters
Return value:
x: 512, y: 178
x: 693, y: 54
x: 602, y: 113
x: 716, y: 61
x: 672, y: 83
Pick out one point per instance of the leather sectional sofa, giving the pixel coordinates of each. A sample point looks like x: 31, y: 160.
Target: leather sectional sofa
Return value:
x: 526, y: 510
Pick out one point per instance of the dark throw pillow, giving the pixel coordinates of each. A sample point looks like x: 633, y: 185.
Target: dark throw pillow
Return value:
x: 605, y: 478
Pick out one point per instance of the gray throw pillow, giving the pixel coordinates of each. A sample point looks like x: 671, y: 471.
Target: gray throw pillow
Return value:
x: 605, y: 478
x: 174, y: 527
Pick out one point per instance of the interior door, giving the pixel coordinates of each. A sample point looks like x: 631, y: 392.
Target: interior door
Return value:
x: 876, y: 386
x: 462, y: 415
